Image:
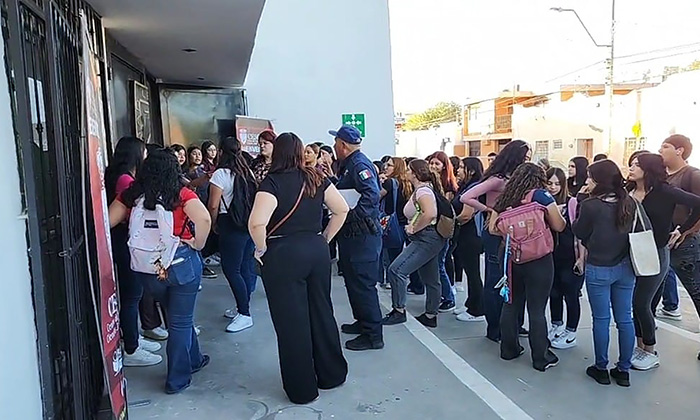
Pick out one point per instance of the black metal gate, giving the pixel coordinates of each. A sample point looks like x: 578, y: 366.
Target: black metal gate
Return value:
x: 43, y: 53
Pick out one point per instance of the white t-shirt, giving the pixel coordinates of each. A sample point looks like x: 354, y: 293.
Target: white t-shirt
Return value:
x: 223, y: 179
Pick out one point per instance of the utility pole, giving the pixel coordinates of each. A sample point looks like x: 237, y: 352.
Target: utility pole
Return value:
x: 612, y: 151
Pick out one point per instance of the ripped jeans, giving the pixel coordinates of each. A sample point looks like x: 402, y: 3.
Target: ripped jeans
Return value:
x: 685, y: 261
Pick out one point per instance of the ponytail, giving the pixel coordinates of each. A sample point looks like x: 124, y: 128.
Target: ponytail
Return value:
x: 435, y: 182
x: 625, y: 208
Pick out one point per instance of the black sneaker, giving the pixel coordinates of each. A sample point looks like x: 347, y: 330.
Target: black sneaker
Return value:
x: 412, y: 291
x: 427, y: 321
x: 600, y: 376
x: 363, y: 342
x: 621, y: 378
x: 394, y: 317
x: 520, y: 353
x: 354, y: 328
x: 523, y: 332
x: 205, y: 361
x: 552, y: 361
x: 447, y: 306
x: 208, y: 273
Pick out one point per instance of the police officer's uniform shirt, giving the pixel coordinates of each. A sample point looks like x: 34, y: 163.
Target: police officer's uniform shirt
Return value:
x: 358, y: 173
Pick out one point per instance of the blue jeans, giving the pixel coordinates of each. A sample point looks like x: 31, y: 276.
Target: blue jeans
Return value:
x: 612, y: 285
x: 447, y: 295
x: 670, y: 291
x: 492, y: 300
x: 179, y: 294
x: 237, y: 262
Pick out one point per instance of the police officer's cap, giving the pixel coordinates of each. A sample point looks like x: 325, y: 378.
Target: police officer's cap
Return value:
x: 348, y: 134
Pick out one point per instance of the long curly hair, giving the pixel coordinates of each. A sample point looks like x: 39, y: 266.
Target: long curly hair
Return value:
x: 527, y: 177
x: 447, y: 175
x: 421, y: 170
x: 288, y: 156
x: 401, y: 177
x: 158, y: 181
x: 127, y: 159
x: 513, y: 155
x: 608, y: 181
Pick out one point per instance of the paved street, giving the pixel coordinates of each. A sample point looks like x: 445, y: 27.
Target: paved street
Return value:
x: 450, y: 372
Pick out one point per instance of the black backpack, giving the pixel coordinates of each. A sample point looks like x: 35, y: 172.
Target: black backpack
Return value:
x: 244, y: 189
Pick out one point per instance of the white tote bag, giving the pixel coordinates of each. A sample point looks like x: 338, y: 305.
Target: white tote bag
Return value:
x: 643, y: 252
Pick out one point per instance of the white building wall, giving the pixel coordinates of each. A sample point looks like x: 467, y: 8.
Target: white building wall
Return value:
x: 580, y: 117
x: 425, y: 142
x: 20, y: 395
x: 315, y: 60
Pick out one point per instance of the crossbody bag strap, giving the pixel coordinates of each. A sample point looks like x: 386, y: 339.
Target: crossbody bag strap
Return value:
x: 395, y: 192
x: 291, y: 212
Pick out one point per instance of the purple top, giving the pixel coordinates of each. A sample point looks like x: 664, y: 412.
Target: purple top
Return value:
x: 492, y: 187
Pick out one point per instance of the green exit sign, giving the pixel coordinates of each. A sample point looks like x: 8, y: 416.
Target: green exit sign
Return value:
x: 357, y: 121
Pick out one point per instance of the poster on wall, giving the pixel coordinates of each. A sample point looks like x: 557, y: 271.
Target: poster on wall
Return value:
x: 108, y: 302
x: 142, y: 111
x: 247, y: 131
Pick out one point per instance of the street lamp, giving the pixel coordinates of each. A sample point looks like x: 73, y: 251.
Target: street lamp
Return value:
x: 609, y: 87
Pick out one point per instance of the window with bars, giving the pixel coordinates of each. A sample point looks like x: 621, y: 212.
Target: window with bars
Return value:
x: 557, y: 144
x: 632, y: 144
x: 541, y: 150
x: 475, y: 148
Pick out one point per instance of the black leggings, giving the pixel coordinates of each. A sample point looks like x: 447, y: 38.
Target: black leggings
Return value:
x: 468, y: 252
x: 296, y: 273
x: 567, y: 286
x: 532, y: 280
x: 644, y: 291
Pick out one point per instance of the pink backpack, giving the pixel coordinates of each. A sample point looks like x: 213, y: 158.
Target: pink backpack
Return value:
x: 530, y: 237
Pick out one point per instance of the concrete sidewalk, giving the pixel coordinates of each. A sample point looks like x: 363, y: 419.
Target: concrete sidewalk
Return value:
x: 452, y: 371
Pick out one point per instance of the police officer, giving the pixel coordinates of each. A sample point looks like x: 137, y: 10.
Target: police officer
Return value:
x: 360, y: 240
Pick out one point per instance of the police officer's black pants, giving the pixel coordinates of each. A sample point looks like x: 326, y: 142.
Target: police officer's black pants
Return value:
x: 361, y: 268
x: 296, y: 273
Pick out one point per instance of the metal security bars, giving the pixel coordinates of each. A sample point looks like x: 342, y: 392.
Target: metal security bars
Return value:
x: 43, y: 54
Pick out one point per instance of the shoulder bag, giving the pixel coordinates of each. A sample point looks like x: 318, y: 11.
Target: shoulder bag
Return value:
x: 643, y: 252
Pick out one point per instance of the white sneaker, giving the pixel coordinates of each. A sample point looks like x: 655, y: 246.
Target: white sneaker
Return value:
x: 645, y: 361
x: 676, y: 315
x: 460, y: 310
x: 555, y: 331
x: 467, y: 317
x: 231, y: 313
x: 141, y: 358
x: 566, y: 340
x: 636, y: 354
x: 212, y: 262
x: 150, y: 346
x: 158, y: 334
x: 240, y: 323
x: 197, y: 330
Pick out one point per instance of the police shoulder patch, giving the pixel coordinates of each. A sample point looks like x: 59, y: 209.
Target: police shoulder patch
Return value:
x: 365, y: 175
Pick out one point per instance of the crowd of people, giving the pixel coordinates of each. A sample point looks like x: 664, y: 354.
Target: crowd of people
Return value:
x: 410, y: 225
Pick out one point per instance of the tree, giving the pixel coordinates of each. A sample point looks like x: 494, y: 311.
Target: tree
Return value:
x: 441, y: 113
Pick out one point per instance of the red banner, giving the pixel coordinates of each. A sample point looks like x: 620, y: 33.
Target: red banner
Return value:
x: 109, y: 303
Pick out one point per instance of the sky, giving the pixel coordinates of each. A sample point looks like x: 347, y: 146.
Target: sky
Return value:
x: 468, y: 50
